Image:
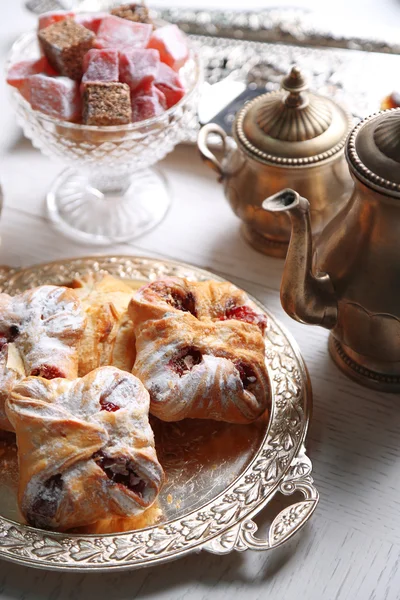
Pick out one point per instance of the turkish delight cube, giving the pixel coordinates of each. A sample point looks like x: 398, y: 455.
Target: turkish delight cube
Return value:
x: 171, y: 43
x: 91, y: 21
x: 121, y: 34
x: 147, y: 103
x: 133, y: 12
x: 65, y: 44
x: 106, y: 103
x: 168, y: 82
x: 100, y: 65
x: 138, y: 68
x: 55, y: 96
x: 49, y: 18
x: 19, y: 72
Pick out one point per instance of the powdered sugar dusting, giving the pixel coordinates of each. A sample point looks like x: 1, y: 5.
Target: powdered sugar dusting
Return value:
x: 193, y: 356
x: 70, y: 437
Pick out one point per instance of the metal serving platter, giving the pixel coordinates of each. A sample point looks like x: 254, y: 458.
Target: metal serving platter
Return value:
x: 218, y: 476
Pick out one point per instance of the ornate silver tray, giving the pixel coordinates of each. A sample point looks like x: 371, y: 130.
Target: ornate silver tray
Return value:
x: 219, y: 476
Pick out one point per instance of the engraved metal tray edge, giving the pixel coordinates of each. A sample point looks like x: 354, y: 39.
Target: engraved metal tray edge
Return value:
x: 222, y: 524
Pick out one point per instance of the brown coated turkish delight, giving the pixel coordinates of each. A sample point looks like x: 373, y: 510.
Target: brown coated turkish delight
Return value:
x: 65, y: 43
x: 136, y: 12
x: 106, y: 103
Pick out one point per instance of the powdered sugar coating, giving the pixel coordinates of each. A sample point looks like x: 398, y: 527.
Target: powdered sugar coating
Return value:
x: 9, y: 376
x: 139, y: 67
x: 63, y: 432
x: 147, y: 104
x: 121, y: 34
x: 100, y: 65
x: 46, y: 325
x: 171, y: 43
x: 194, y: 361
x: 169, y: 83
x: 55, y: 96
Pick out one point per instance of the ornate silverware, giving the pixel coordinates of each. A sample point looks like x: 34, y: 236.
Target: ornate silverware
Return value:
x: 286, y: 138
x: 351, y: 284
x: 210, y: 499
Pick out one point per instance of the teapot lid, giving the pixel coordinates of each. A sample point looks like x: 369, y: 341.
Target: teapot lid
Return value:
x: 373, y: 151
x: 292, y: 127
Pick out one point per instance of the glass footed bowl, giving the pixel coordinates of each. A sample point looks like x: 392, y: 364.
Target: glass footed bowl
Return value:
x: 108, y: 194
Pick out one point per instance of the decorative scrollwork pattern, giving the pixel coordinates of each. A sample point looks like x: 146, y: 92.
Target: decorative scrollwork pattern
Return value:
x: 220, y: 525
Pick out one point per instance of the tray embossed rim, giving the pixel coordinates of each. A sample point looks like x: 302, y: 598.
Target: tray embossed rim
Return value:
x: 222, y: 524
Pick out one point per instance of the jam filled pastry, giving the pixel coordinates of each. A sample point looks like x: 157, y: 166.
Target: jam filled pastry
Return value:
x: 200, y: 351
x: 40, y: 332
x: 45, y: 324
x: 85, y: 447
x: 109, y: 338
x: 11, y: 371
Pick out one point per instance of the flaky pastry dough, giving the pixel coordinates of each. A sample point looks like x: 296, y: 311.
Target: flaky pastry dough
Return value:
x: 109, y: 338
x: 85, y: 447
x: 40, y: 331
x: 200, y: 351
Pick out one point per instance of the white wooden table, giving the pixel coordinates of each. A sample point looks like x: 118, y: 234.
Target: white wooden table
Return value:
x: 351, y: 547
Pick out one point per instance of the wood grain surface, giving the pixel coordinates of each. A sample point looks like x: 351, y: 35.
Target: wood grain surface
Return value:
x: 351, y: 548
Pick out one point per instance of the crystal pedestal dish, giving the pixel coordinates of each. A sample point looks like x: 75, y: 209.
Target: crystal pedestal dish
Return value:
x: 109, y: 193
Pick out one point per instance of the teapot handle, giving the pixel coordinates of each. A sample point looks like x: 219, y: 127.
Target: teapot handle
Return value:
x: 209, y: 158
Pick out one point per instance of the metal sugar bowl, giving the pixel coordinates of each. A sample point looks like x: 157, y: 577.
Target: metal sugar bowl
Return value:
x: 288, y: 138
x: 349, y: 280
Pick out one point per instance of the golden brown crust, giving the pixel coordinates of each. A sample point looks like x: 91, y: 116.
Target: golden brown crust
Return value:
x: 40, y: 332
x: 200, y: 351
x: 109, y: 337
x: 86, y: 449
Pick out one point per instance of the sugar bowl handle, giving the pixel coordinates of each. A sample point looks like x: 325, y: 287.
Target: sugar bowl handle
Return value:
x: 209, y: 158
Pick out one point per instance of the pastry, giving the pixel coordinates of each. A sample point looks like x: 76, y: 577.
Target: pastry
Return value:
x: 200, y: 351
x: 39, y: 335
x: 11, y: 371
x: 86, y: 449
x: 109, y: 338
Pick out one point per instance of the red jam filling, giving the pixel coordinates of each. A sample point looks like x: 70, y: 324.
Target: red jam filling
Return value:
x: 47, y: 372
x: 246, y: 314
x: 121, y: 470
x: 108, y: 406
x: 246, y: 373
x: 45, y: 505
x: 186, y: 361
x: 9, y: 336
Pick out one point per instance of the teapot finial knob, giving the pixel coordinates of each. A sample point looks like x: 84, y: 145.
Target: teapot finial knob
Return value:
x: 295, y: 83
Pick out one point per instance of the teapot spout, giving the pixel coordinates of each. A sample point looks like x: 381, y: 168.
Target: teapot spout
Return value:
x: 305, y: 296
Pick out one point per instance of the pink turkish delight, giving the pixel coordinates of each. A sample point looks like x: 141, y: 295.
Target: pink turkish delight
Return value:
x: 121, y: 34
x: 171, y: 44
x: 55, y: 96
x: 147, y: 104
x: 138, y: 68
x: 49, y: 18
x: 100, y: 65
x: 19, y: 72
x: 91, y: 22
x: 168, y: 82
